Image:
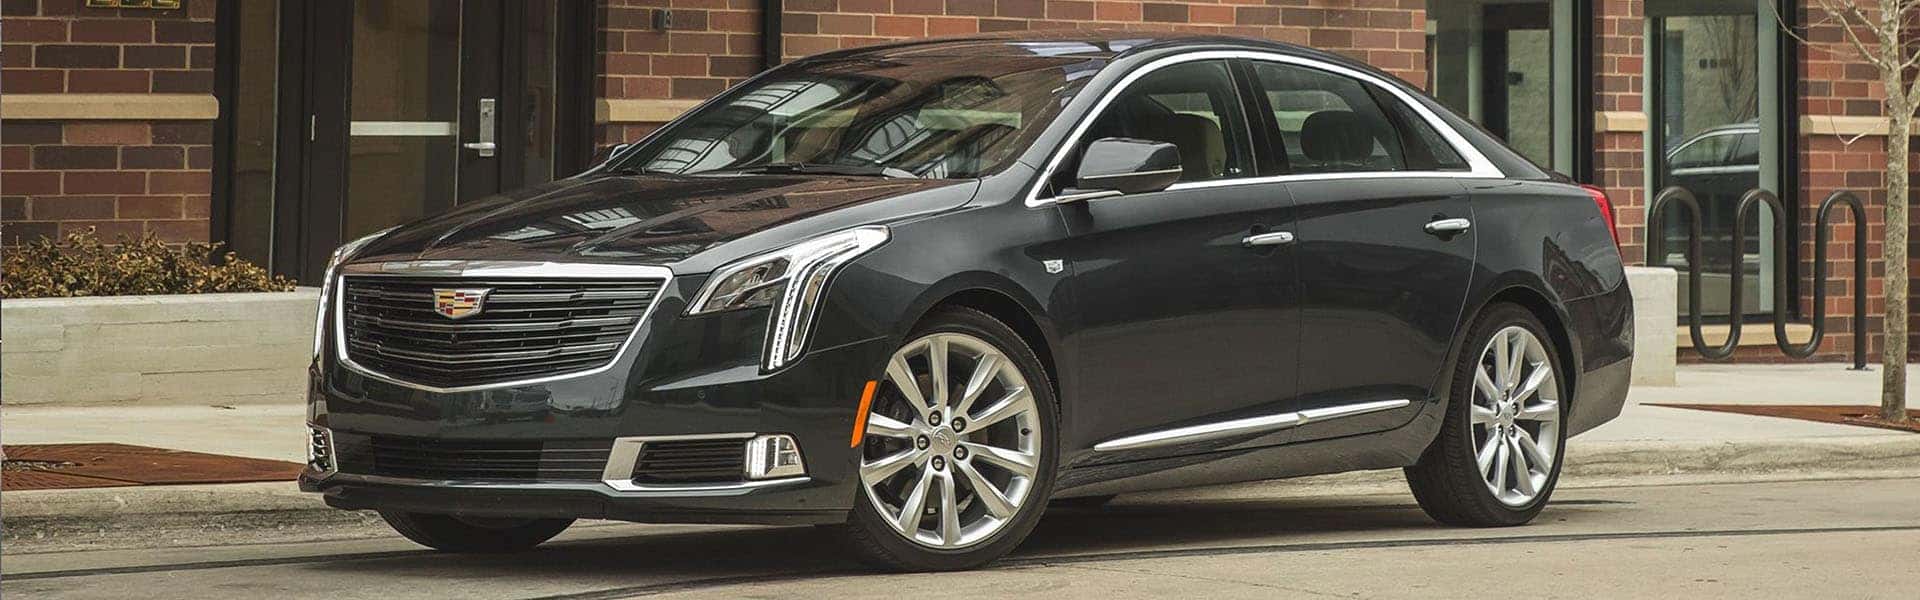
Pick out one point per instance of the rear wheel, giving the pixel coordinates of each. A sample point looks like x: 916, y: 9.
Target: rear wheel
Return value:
x: 1498, y: 454
x: 448, y: 533
x: 956, y: 466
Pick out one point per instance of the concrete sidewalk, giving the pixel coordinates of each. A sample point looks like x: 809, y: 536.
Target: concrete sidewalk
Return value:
x: 1644, y: 441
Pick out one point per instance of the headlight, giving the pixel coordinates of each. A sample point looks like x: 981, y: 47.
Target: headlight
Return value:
x: 340, y: 255
x: 791, y: 280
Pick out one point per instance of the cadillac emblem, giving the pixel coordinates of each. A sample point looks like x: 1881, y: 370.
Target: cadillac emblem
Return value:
x: 459, y: 304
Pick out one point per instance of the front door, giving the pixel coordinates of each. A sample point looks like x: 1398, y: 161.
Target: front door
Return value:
x: 414, y: 106
x: 1181, y: 322
x: 1384, y: 246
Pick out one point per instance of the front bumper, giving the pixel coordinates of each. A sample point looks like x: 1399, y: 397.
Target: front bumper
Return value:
x: 683, y: 377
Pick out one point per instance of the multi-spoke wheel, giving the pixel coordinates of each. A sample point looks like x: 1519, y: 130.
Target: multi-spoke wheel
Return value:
x: 1497, y: 457
x: 955, y: 450
x: 1515, y: 416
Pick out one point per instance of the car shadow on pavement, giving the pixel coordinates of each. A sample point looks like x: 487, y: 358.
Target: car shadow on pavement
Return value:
x: 808, y: 551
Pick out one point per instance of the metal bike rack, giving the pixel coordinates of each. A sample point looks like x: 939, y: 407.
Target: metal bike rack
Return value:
x: 1822, y: 233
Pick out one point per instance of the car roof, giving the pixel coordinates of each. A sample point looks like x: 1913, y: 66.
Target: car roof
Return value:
x: 1096, y: 44
x: 1747, y: 127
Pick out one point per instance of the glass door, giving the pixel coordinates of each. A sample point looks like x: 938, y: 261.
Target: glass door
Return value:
x: 1711, y: 122
x: 408, y: 143
x: 414, y: 106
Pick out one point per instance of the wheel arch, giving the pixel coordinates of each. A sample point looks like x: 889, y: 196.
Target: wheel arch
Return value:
x: 1001, y: 299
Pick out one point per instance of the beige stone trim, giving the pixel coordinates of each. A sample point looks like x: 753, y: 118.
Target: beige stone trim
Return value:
x: 1620, y: 121
x: 1751, y: 334
x: 607, y: 110
x: 1841, y: 125
x: 76, y: 107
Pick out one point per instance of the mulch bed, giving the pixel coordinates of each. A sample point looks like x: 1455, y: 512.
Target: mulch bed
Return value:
x: 65, y: 466
x: 1863, y: 416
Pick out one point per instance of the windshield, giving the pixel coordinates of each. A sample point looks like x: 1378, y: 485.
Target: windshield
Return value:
x: 929, y: 117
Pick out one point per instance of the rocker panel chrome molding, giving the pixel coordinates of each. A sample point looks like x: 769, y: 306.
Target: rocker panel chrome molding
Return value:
x: 1247, y: 426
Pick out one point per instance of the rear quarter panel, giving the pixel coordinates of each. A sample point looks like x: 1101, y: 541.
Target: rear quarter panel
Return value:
x: 1550, y: 239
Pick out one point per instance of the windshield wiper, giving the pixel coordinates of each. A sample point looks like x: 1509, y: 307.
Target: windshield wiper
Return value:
x: 784, y: 168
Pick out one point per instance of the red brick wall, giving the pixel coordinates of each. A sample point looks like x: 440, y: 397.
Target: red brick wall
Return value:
x: 126, y: 177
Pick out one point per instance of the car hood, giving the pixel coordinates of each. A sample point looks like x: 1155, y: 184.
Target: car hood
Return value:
x: 655, y: 219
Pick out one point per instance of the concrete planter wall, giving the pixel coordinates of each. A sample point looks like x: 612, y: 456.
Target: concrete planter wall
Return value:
x: 183, y: 349
x: 1654, y: 313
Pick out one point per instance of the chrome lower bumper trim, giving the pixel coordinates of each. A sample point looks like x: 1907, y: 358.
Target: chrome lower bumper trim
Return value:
x: 602, y: 488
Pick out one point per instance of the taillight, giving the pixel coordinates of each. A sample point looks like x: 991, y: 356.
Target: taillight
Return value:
x: 1601, y: 202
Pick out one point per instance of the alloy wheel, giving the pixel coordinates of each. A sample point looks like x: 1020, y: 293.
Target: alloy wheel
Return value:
x: 1515, y: 416
x: 953, y: 442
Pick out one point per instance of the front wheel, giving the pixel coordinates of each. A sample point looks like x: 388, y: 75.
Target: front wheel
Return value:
x: 957, y: 463
x: 1498, y: 454
x: 448, y: 533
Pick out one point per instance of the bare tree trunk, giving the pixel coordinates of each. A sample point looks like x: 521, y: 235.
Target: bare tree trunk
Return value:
x: 1893, y: 354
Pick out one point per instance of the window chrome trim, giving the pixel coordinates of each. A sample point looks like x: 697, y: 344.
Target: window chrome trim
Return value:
x: 498, y: 269
x: 1247, y: 426
x: 1479, y: 167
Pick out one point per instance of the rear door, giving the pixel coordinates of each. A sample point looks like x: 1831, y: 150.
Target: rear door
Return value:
x: 1179, y: 321
x: 1385, y: 245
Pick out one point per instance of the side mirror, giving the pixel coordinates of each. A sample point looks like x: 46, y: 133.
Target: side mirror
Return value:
x: 1128, y: 166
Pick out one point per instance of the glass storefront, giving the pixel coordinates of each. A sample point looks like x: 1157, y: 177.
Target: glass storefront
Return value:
x: 1714, y: 113
x: 1510, y: 66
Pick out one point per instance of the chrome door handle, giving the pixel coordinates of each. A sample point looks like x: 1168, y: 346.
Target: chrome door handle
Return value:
x: 1268, y: 239
x: 1448, y: 226
x: 485, y: 127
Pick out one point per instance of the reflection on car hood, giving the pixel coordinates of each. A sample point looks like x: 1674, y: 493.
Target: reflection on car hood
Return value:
x: 644, y: 219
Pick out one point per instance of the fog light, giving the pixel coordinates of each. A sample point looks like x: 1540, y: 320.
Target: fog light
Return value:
x: 320, y: 450
x: 771, y: 456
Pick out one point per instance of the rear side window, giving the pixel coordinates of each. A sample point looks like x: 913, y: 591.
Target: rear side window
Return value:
x: 1426, y: 150
x: 1326, y: 123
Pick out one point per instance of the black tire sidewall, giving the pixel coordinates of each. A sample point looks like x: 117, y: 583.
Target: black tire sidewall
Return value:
x: 871, y: 532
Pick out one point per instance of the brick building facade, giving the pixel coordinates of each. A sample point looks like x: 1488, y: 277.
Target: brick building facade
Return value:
x: 136, y: 120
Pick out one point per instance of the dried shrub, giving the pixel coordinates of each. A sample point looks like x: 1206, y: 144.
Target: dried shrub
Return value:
x: 83, y: 265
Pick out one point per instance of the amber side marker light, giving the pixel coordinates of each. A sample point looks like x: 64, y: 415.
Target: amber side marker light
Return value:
x: 860, y: 417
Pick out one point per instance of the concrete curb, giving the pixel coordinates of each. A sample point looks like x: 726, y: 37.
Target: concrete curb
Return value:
x: 184, y: 515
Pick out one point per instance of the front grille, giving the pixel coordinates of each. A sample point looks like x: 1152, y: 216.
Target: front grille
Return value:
x: 686, y: 461
x: 483, y: 460
x: 525, y: 329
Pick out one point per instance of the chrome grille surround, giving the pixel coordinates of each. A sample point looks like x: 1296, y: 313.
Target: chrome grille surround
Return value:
x: 503, y: 273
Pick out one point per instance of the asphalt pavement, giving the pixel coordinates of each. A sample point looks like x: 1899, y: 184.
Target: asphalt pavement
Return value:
x: 1650, y: 538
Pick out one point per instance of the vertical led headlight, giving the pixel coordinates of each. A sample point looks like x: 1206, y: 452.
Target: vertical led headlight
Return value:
x: 791, y: 280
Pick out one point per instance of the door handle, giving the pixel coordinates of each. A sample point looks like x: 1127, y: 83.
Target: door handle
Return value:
x: 1448, y: 226
x: 485, y: 126
x: 1268, y: 239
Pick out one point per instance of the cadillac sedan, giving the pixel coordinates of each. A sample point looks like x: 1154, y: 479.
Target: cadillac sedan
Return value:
x: 921, y: 292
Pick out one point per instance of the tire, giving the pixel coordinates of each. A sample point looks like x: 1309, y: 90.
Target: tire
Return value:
x: 1008, y: 444
x: 1448, y: 481
x: 448, y: 533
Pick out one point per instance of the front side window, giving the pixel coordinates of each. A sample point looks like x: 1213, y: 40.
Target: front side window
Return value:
x: 929, y: 117
x: 1190, y: 105
x: 1326, y: 123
